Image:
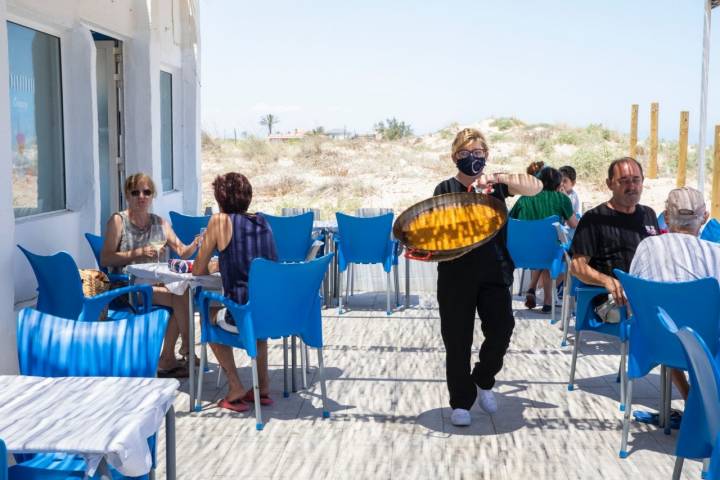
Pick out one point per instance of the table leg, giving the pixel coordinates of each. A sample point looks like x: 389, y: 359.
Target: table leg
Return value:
x: 293, y: 362
x: 407, y: 282
x: 170, y: 461
x: 191, y: 352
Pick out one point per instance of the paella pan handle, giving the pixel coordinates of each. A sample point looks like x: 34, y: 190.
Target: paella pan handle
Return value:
x: 412, y: 254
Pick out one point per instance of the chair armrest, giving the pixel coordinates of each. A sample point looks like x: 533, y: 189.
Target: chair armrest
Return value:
x: 118, y: 277
x: 241, y: 314
x: 94, y: 305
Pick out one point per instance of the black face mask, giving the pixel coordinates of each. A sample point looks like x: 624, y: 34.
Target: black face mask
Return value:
x: 470, y: 165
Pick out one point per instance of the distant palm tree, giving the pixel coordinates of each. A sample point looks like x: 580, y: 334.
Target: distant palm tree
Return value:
x: 268, y: 121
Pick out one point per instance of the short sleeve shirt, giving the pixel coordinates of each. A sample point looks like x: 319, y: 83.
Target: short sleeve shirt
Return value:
x: 545, y: 204
x: 610, y: 238
x: 676, y: 257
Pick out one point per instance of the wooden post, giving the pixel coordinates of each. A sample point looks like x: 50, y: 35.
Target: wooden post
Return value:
x: 652, y: 158
x: 633, y: 129
x: 683, y: 149
x: 715, y: 203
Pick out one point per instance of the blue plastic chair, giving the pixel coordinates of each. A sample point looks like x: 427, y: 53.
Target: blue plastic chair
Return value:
x: 293, y: 235
x: 534, y: 245
x: 268, y: 314
x: 586, y: 320
x: 700, y: 427
x: 650, y: 344
x: 60, y: 289
x: 96, y: 244
x: 187, y: 227
x: 711, y: 231
x: 51, y: 346
x: 661, y: 221
x: 366, y: 240
x: 3, y: 461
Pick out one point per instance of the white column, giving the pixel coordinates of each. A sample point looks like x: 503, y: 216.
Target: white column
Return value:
x: 190, y: 91
x: 8, y: 348
x: 703, y: 96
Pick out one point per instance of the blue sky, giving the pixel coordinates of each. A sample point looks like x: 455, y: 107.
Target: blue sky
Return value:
x: 429, y: 63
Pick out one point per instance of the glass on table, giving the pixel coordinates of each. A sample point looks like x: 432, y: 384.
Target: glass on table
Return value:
x: 157, y: 240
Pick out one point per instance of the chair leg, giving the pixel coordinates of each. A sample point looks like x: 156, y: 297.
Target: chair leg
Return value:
x: 323, y: 389
x: 219, y: 377
x: 623, y: 374
x: 397, y: 285
x: 339, y: 293
x: 552, y: 300
x: 626, y: 420
x: 571, y: 382
x: 668, y: 399
x: 352, y: 280
x: 293, y: 363
x: 307, y: 358
x: 565, y: 313
x: 303, y: 377
x: 203, y: 362
x: 256, y: 390
x: 522, y: 280
x: 677, y: 469
x: 661, y: 409
x: 348, y: 274
x: 387, y: 295
x: 286, y: 394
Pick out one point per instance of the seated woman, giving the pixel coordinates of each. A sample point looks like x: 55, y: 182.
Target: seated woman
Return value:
x: 128, y: 235
x: 240, y: 237
x: 551, y: 201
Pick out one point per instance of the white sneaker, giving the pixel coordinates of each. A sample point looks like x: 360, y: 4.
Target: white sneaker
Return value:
x: 460, y: 417
x: 486, y: 400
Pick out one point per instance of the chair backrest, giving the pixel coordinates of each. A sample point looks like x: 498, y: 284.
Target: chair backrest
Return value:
x: 59, y: 285
x: 365, y: 239
x: 293, y: 235
x: 694, y: 304
x: 96, y: 244
x: 701, y: 423
x: 534, y: 244
x: 187, y: 227
x: 284, y: 298
x: 3, y: 461
x: 661, y: 221
x: 711, y: 231
x: 51, y: 346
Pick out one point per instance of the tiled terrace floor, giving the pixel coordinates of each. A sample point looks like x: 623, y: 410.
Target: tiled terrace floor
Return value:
x: 390, y: 418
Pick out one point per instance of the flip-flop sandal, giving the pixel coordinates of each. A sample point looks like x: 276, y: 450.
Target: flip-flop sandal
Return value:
x: 265, y: 400
x: 236, y: 405
x: 643, y: 416
x: 530, y: 301
x: 180, y: 371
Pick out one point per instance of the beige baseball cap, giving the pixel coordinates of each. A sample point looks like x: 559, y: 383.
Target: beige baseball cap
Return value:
x: 685, y: 201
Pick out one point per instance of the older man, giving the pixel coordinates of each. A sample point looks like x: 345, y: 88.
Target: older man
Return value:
x: 679, y: 256
x: 607, y: 235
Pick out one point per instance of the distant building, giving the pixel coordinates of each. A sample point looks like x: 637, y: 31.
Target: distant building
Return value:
x: 339, y: 134
x: 285, y: 137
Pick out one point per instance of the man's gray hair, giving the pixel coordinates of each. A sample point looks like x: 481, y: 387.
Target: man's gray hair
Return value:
x: 685, y: 222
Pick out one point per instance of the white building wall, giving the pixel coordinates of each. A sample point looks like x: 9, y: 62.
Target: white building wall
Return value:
x: 154, y: 34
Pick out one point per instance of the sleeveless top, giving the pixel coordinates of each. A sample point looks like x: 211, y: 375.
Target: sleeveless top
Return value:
x: 133, y: 237
x: 251, y: 238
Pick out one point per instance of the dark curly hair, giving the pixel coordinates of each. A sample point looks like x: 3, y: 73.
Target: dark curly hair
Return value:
x: 535, y: 167
x: 233, y: 192
x: 550, y: 178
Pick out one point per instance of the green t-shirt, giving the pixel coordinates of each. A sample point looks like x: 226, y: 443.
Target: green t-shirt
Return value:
x: 545, y: 204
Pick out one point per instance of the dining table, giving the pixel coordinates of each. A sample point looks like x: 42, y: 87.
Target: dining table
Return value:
x: 106, y: 420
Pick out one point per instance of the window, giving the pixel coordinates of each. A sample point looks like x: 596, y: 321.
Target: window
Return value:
x: 166, y: 131
x: 36, y: 121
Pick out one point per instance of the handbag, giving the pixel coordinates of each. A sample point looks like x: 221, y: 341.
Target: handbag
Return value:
x: 95, y: 282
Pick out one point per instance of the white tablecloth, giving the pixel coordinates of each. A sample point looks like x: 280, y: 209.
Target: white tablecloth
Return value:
x: 94, y: 417
x: 176, y: 283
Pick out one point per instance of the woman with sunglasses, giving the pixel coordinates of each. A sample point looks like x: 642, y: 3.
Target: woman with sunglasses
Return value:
x: 127, y: 241
x: 477, y: 281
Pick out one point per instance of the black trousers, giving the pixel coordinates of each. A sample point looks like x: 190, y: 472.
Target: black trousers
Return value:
x: 460, y: 293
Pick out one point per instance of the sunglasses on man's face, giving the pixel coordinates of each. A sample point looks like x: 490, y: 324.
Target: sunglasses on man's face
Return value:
x: 136, y: 193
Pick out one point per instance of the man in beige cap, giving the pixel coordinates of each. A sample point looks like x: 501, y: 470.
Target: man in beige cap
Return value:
x: 679, y: 256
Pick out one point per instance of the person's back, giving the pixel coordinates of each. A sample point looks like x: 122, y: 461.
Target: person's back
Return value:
x: 676, y: 257
x: 544, y: 204
x: 251, y: 238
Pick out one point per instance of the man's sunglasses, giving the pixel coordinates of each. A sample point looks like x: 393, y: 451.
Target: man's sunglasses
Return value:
x: 136, y: 193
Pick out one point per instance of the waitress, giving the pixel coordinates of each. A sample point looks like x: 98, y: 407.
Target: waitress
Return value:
x: 478, y: 281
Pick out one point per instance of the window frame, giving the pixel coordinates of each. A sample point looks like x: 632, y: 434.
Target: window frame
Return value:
x: 60, y: 34
x: 172, y: 72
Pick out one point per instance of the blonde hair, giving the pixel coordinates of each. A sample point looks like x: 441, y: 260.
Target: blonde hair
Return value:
x: 467, y: 136
x: 132, y: 182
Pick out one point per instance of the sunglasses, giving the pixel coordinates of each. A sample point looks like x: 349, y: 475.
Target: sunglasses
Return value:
x: 136, y: 193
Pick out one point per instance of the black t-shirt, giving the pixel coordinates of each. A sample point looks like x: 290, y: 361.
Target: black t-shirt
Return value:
x: 610, y: 238
x: 491, y: 261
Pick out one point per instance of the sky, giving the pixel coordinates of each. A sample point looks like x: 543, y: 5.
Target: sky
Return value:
x: 350, y: 64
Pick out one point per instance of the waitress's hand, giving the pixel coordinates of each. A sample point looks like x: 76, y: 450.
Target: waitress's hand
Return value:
x: 485, y: 182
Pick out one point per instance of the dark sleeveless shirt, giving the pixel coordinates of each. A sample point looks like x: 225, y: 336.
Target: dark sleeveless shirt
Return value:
x: 251, y: 238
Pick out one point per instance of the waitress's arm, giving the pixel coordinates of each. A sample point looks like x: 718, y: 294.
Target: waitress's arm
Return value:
x: 520, y: 183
